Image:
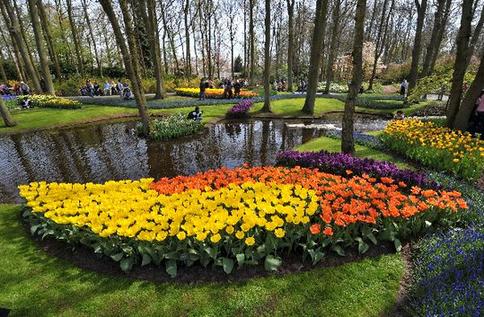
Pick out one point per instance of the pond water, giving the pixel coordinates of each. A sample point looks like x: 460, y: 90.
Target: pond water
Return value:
x: 97, y: 153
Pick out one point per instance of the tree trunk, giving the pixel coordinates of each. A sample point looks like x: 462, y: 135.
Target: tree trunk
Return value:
x: 7, y: 118
x: 130, y: 56
x: 433, y: 43
x: 48, y: 86
x: 48, y: 38
x: 14, y: 55
x: 3, y: 75
x: 460, y: 64
x: 440, y: 34
x: 347, y: 142
x: 188, y: 58
x: 369, y: 30
x: 93, y: 39
x: 417, y: 44
x: 267, y: 58
x: 290, y: 44
x: 75, y: 38
x: 333, y: 45
x: 155, y: 48
x: 60, y: 19
x: 378, y: 43
x: 252, y: 42
x: 14, y: 28
x: 19, y: 17
x: 475, y: 37
x: 316, y: 48
x: 468, y: 104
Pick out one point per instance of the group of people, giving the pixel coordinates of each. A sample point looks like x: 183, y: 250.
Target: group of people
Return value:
x: 231, y: 87
x: 279, y: 85
x: 18, y: 89
x: 109, y: 88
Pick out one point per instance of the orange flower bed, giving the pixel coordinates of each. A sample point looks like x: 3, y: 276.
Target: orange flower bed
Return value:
x: 343, y: 201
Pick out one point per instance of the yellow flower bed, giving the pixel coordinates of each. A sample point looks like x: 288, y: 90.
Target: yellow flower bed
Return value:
x: 48, y: 101
x: 435, y: 146
x: 131, y: 209
x: 214, y: 93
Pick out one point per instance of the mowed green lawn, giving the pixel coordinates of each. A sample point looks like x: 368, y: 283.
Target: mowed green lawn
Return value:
x: 35, y: 284
x: 334, y: 145
x: 34, y: 119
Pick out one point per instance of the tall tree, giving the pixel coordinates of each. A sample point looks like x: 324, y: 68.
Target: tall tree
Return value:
x: 7, y: 118
x: 93, y: 39
x: 130, y: 56
x: 380, y: 39
x: 468, y: 103
x: 460, y: 64
x: 290, y: 43
x: 14, y: 28
x: 440, y: 19
x: 45, y: 23
x: 252, y: 42
x: 75, y: 38
x: 155, y: 48
x: 417, y: 43
x: 267, y: 58
x: 333, y: 45
x: 316, y: 49
x: 3, y: 74
x: 48, y: 85
x: 188, y: 58
x: 347, y: 141
x: 476, y: 35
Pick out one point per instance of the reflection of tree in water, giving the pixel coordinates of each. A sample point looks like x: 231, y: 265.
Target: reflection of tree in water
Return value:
x: 307, y: 134
x: 233, y: 129
x: 103, y: 152
x: 12, y: 171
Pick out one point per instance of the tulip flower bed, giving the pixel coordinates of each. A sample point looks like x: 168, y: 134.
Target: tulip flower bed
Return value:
x: 438, y: 147
x: 47, y: 101
x: 214, y: 93
x: 242, y: 216
x: 240, y: 110
x: 344, y: 164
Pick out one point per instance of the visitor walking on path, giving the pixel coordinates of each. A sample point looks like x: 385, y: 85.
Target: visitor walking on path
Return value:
x: 107, y: 89
x: 237, y: 87
x: 228, y: 94
x: 404, y: 88
x: 203, y: 88
x: 120, y: 88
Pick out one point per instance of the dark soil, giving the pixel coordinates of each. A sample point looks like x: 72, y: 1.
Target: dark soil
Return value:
x: 84, y: 258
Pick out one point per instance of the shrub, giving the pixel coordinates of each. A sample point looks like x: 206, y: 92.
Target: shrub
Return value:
x: 47, y: 101
x: 173, y: 126
x: 240, y: 110
x: 438, y: 147
x: 211, y: 93
x: 375, y: 101
x: 240, y: 216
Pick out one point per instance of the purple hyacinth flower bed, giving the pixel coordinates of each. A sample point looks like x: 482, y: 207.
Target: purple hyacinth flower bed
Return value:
x: 339, y: 163
x: 447, y: 275
x: 241, y: 109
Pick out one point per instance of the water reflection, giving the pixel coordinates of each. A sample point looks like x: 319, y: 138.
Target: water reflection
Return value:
x: 98, y: 153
